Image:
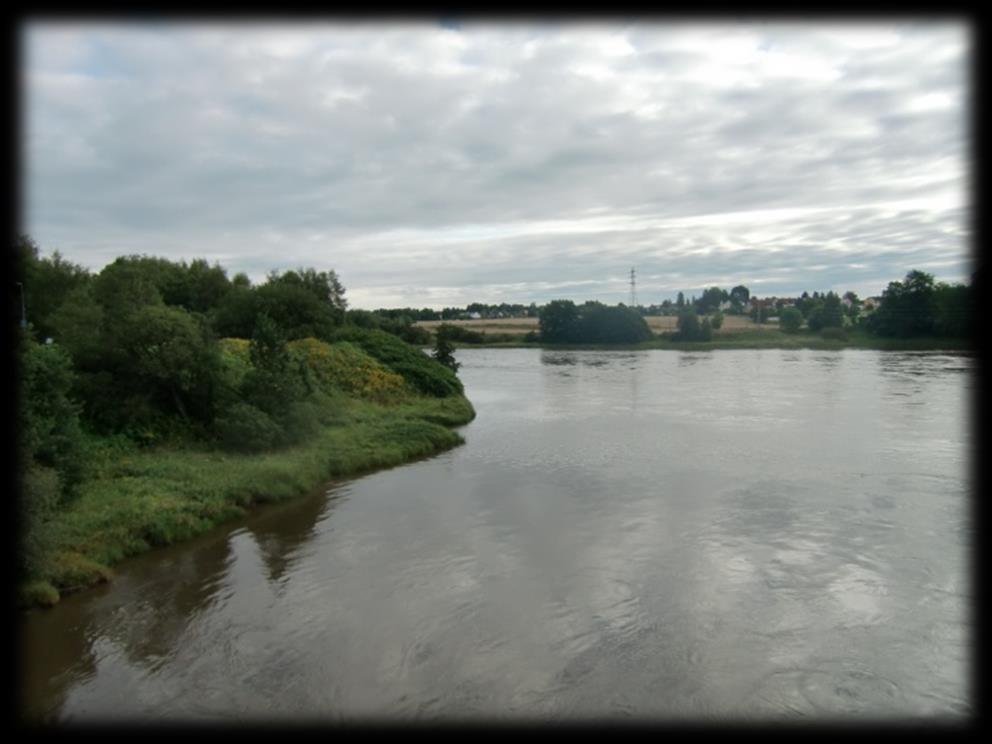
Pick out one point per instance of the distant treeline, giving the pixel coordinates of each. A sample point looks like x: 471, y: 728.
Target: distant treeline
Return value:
x: 916, y: 306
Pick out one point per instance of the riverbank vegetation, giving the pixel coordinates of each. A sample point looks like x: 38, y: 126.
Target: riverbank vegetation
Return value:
x: 158, y: 399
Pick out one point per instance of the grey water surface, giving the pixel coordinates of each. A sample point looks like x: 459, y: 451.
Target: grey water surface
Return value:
x: 715, y: 536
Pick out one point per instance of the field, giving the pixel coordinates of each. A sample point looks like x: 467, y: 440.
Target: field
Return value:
x: 657, y: 324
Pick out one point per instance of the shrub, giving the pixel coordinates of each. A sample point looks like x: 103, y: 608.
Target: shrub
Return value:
x: 423, y: 373
x: 790, y: 320
x: 345, y: 367
x: 690, y: 329
x: 244, y: 428
x: 716, y: 321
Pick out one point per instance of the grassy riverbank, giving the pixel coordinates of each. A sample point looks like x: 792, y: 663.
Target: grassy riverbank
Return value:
x: 136, y: 499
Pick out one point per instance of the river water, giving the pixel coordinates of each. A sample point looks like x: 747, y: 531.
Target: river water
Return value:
x: 655, y: 535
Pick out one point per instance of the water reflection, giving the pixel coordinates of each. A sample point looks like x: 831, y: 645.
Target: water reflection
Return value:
x: 143, y: 618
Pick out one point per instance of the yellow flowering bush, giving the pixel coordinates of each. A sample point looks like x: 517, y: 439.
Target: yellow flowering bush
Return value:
x: 346, y: 367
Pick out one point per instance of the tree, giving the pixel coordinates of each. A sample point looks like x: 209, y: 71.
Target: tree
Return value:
x: 274, y: 382
x: 45, y: 283
x: 600, y: 324
x: 790, y: 320
x: 444, y: 350
x: 711, y: 300
x: 557, y: 321
x: 197, y: 287
x: 680, y: 301
x: 740, y: 294
x: 691, y: 329
x: 48, y: 426
x: 815, y: 318
x: 833, y: 311
x: 171, y: 359
x: 953, y: 309
x: 908, y: 308
x: 853, y: 309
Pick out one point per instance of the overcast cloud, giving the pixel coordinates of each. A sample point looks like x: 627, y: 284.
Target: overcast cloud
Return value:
x: 434, y: 166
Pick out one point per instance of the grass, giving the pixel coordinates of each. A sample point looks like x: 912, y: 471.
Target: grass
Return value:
x: 137, y: 499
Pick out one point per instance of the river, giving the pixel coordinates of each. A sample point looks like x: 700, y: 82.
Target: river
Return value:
x: 654, y: 535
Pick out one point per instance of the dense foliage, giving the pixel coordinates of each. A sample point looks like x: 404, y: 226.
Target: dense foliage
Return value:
x: 918, y: 306
x: 691, y: 329
x: 153, y: 352
x: 421, y: 372
x: 561, y: 321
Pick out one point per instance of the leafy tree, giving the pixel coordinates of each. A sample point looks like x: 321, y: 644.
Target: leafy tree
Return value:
x: 170, y: 357
x: 78, y: 326
x: 717, y: 320
x: 197, y: 287
x: 790, y: 320
x: 908, y: 308
x: 599, y: 323
x: 444, y: 349
x: 129, y: 283
x: 277, y: 380
x: 711, y: 300
x: 44, y: 284
x: 296, y: 308
x: 557, y: 321
x: 235, y: 315
x: 833, y: 311
x: 691, y: 329
x: 48, y: 426
x: 853, y: 310
x: 815, y: 318
x: 740, y: 294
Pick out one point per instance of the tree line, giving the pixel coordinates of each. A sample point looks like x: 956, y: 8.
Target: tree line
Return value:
x: 914, y: 307
x: 151, y: 351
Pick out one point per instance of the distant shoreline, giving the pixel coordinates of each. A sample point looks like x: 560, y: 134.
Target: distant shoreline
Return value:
x: 771, y: 339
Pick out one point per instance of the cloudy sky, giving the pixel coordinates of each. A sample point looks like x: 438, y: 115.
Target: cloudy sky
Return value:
x: 435, y: 164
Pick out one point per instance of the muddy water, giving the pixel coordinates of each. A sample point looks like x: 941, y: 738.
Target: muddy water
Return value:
x: 757, y: 534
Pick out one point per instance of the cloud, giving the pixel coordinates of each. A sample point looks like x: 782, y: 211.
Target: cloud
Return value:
x: 430, y: 164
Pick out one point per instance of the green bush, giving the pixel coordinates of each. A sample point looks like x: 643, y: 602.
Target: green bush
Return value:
x: 423, y: 373
x: 690, y: 329
x: 244, y: 428
x: 716, y: 321
x: 790, y: 320
x: 48, y: 418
